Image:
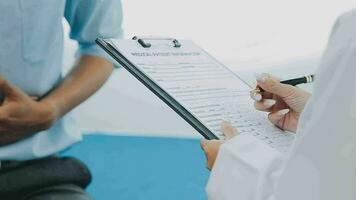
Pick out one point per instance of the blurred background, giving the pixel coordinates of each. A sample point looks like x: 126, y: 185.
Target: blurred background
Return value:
x: 282, y: 37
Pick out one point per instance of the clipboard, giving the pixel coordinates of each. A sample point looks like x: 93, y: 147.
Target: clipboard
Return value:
x: 144, y: 58
x: 154, y: 87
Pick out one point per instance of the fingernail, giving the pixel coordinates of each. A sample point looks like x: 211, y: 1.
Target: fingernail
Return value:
x: 269, y: 102
x: 225, y: 123
x: 257, y: 97
x: 203, y: 142
x: 262, y: 77
x: 283, y: 112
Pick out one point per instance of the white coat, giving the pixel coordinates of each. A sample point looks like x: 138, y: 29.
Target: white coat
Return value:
x: 322, y: 162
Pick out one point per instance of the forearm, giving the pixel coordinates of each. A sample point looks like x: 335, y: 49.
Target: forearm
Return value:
x: 24, y: 116
x: 89, y: 74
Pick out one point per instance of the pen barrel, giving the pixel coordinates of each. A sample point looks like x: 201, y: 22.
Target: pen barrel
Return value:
x: 296, y: 81
x: 293, y: 82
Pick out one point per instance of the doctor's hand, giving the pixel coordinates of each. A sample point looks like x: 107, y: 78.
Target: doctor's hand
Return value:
x: 22, y: 115
x: 212, y: 147
x: 283, y: 102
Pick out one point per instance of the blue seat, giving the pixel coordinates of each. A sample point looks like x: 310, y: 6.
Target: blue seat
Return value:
x: 143, y: 168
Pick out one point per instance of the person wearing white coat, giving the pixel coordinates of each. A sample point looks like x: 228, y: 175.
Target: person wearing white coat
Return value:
x: 322, y: 162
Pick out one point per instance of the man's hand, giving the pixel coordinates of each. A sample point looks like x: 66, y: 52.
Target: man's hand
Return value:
x: 212, y: 147
x: 21, y: 115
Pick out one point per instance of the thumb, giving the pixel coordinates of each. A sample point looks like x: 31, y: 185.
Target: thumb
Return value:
x: 228, y: 130
x: 277, y: 116
x: 7, y: 89
x: 272, y: 85
x: 203, y: 144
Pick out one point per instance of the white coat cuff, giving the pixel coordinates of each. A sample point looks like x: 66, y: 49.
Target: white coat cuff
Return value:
x: 239, y: 166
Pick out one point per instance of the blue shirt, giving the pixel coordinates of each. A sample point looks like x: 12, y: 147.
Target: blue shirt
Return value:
x: 31, y: 51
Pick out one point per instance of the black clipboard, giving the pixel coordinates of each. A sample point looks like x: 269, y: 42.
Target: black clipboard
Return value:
x: 151, y: 85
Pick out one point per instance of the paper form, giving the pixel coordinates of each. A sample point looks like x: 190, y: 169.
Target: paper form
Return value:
x: 205, y: 87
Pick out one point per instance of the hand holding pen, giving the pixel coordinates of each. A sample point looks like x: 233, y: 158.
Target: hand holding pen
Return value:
x: 282, y: 101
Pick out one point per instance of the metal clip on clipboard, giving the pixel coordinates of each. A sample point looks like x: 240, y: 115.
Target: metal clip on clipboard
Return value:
x: 145, y: 44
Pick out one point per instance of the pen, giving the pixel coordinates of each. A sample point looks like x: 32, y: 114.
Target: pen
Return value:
x: 294, y: 82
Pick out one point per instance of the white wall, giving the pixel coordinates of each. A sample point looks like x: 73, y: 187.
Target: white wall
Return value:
x: 242, y: 33
x: 282, y: 36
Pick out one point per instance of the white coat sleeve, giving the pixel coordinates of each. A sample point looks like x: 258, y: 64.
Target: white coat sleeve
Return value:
x: 248, y: 169
x: 242, y: 170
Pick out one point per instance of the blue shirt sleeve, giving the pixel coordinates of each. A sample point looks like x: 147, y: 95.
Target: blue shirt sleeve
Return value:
x: 90, y: 19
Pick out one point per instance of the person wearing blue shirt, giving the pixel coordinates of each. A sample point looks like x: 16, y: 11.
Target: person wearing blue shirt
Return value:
x: 35, y: 122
